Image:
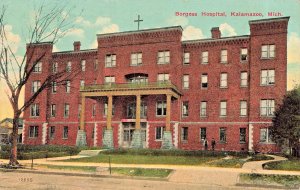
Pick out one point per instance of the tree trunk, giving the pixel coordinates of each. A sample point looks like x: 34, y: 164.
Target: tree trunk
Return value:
x: 13, y: 154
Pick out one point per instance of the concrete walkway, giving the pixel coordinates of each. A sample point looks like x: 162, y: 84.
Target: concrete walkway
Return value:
x: 257, y: 165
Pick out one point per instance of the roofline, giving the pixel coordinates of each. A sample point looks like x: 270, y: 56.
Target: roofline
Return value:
x: 39, y: 43
x: 139, y: 31
x: 269, y: 20
x: 218, y: 39
x: 71, y: 51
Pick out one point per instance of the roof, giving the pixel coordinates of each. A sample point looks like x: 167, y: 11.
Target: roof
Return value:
x: 141, y: 31
x: 11, y: 121
x: 269, y: 20
x: 216, y: 39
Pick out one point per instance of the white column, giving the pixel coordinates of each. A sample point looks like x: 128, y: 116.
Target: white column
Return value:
x: 44, y: 132
x: 95, y: 134
x: 176, y: 133
x: 250, y: 141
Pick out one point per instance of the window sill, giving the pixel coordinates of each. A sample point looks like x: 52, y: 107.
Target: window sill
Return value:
x: 223, y: 116
x: 243, y: 61
x: 204, y: 117
x: 267, y: 58
x: 267, y: 116
x: 158, y: 140
x: 243, y: 142
x: 64, y: 138
x: 162, y: 63
x: 204, y: 63
x: 243, y: 116
x: 161, y: 116
x: 224, y: 62
x: 266, y: 85
x: 267, y: 143
x: 136, y: 65
x: 34, y: 117
x: 204, y: 88
x: 225, y: 87
x: 244, y: 86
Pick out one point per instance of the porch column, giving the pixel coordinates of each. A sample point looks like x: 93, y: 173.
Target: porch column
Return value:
x: 138, y: 112
x: 168, y: 114
x: 82, y: 112
x: 109, y: 112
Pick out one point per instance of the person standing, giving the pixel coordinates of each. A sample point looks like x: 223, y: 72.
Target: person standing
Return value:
x: 213, y: 144
x: 205, y: 144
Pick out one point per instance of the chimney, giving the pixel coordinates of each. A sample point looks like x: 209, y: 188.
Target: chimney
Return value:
x: 215, y: 33
x: 77, y: 46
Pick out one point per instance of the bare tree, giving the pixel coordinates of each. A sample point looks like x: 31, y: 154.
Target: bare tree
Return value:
x: 49, y: 24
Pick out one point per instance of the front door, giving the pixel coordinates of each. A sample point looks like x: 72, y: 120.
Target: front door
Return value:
x: 128, y: 129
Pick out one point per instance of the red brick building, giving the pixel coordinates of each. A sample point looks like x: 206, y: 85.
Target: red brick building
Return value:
x: 224, y: 88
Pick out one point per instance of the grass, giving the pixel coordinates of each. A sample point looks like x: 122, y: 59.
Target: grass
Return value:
x: 260, y: 157
x: 141, y: 172
x: 272, y: 179
x: 290, y: 165
x: 234, y: 162
x: 144, y: 159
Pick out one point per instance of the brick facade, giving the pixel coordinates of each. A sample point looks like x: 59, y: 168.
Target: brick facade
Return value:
x: 270, y: 33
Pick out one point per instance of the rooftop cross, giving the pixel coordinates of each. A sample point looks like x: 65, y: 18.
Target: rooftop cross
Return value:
x: 138, y: 21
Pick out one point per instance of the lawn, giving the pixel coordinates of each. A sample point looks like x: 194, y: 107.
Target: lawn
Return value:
x: 290, y: 165
x: 260, y: 157
x: 272, y: 179
x: 234, y: 162
x: 145, y: 159
x: 141, y: 172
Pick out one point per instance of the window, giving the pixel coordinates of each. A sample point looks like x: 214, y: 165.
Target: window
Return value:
x: 163, y: 77
x: 224, y: 56
x: 66, y: 110
x: 35, y: 86
x: 223, y: 80
x: 243, y: 108
x: 161, y: 108
x: 37, y: 68
x: 51, y: 132
x: 184, y: 133
x: 94, y: 110
x: 203, y: 107
x: 223, y: 108
x: 53, y: 110
x: 33, y: 131
x: 54, y: 87
x: 265, y: 135
x: 222, y: 134
x: 109, y: 79
x: 136, y: 59
x: 68, y: 86
x: 110, y: 60
x: 106, y: 109
x: 204, y: 81
x: 244, y: 79
x: 83, y: 65
x: 242, y: 135
x: 163, y: 57
x: 186, y: 58
x: 185, y: 109
x: 267, y: 107
x: 159, y: 133
x: 204, y: 57
x: 244, y: 54
x: 35, y: 110
x: 69, y: 66
x: 66, y: 132
x: 185, y: 81
x: 81, y: 83
x: 267, y: 77
x: 54, y: 67
x: 267, y: 51
x: 96, y: 64
x: 202, y: 133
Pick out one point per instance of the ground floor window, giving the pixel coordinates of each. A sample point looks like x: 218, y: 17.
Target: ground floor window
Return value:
x: 242, y: 135
x: 66, y: 132
x: 265, y: 135
x: 33, y: 131
x: 184, y: 133
x: 223, y: 135
x: 52, y: 132
x: 202, y: 133
x: 159, y: 132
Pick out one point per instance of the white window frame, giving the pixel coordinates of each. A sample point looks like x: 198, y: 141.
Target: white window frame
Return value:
x: 35, y: 110
x: 243, y: 108
x: 66, y: 110
x: 203, y: 109
x: 163, y: 106
x: 105, y: 109
x: 204, y: 57
x: 53, y: 110
x: 186, y: 58
x: 267, y: 77
x: 163, y: 57
x: 54, y: 67
x: 110, y: 60
x: 33, y: 131
x: 243, y: 137
x: 268, y: 51
x: 83, y: 65
x: 68, y: 86
x: 184, y: 134
x: 265, y: 135
x: 186, y: 81
x: 159, y: 133
x: 54, y: 87
x: 36, y: 85
x: 244, y: 55
x: 162, y: 77
x: 224, y: 138
x: 204, y: 80
x: 81, y: 83
x: 185, y: 109
x: 223, y: 108
x: 37, y: 67
x: 203, y: 134
x: 267, y: 107
x: 136, y: 59
x: 224, y: 56
x: 69, y: 66
x: 65, y: 132
x: 109, y: 79
x: 223, y: 80
x: 244, y: 79
x: 51, y: 132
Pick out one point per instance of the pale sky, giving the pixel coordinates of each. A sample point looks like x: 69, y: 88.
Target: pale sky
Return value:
x: 106, y: 16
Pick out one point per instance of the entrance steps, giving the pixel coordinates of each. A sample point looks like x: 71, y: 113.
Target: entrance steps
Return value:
x: 81, y: 138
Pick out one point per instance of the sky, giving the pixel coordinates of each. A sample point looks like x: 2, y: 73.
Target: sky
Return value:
x: 92, y: 17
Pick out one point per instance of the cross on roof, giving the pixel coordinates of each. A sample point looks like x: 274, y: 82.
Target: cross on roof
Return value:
x: 138, y: 21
